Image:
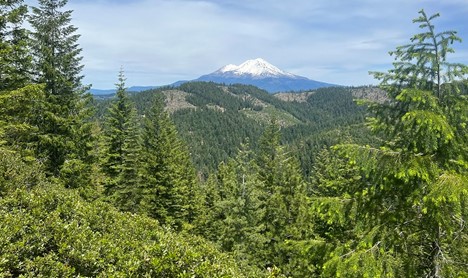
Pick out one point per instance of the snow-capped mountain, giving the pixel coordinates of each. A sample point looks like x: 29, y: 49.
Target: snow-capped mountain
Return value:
x: 264, y: 75
x: 257, y: 68
x: 257, y: 72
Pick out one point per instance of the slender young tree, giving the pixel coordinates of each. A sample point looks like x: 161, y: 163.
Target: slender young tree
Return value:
x: 121, y: 147
x: 423, y: 63
x: 128, y: 195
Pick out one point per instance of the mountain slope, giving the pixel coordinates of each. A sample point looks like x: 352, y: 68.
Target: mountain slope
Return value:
x: 214, y: 119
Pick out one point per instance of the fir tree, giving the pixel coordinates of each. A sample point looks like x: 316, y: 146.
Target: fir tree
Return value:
x: 169, y: 174
x: 15, y: 59
x: 283, y: 197
x: 210, y: 214
x: 411, y: 201
x: 121, y: 150
x: 66, y: 142
x: 240, y: 229
x: 21, y: 103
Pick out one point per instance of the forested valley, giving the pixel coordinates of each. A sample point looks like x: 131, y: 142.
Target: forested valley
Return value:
x: 217, y: 180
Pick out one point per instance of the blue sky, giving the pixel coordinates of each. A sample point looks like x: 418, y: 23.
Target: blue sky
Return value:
x: 158, y: 42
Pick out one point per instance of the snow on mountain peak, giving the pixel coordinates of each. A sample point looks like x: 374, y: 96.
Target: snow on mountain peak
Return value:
x: 227, y: 68
x: 256, y: 68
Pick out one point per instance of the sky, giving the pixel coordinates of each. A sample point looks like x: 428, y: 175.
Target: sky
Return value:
x: 159, y: 42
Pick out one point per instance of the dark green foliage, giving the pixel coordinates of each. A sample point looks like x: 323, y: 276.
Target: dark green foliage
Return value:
x: 283, y: 197
x: 121, y: 150
x: 214, y: 136
x: 223, y: 116
x: 256, y: 205
x: 328, y: 108
x: 309, y: 147
x: 208, y: 93
x: 168, y: 171
x: 21, y: 106
x: 66, y: 140
x: 410, y: 200
x: 233, y: 209
x: 15, y: 60
x: 392, y: 204
x: 56, y: 51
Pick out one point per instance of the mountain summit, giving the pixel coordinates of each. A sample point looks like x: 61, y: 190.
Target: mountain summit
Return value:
x: 257, y: 68
x: 264, y: 75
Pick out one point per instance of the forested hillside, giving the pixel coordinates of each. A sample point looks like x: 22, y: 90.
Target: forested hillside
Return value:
x: 214, y: 119
x: 209, y: 180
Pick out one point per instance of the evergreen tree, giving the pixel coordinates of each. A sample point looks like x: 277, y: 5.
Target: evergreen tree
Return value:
x: 240, y: 226
x: 283, y: 197
x: 21, y: 113
x: 128, y: 193
x: 15, y: 59
x: 209, y: 218
x: 332, y: 212
x: 411, y: 201
x: 66, y: 142
x: 21, y: 103
x: 168, y: 171
x: 121, y: 151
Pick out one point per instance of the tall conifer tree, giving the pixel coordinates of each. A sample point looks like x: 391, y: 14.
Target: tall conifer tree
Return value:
x: 122, y: 149
x: 67, y: 141
x: 283, y: 196
x: 169, y: 173
x: 21, y: 103
x: 242, y: 211
x: 15, y: 59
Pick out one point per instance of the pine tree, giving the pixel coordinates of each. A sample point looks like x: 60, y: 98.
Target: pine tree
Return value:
x: 411, y: 201
x: 168, y: 171
x: 66, y: 142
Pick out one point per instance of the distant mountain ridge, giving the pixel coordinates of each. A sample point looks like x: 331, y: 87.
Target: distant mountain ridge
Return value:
x: 101, y: 92
x: 256, y: 72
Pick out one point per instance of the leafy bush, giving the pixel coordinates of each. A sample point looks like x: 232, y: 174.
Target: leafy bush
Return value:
x: 49, y: 231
